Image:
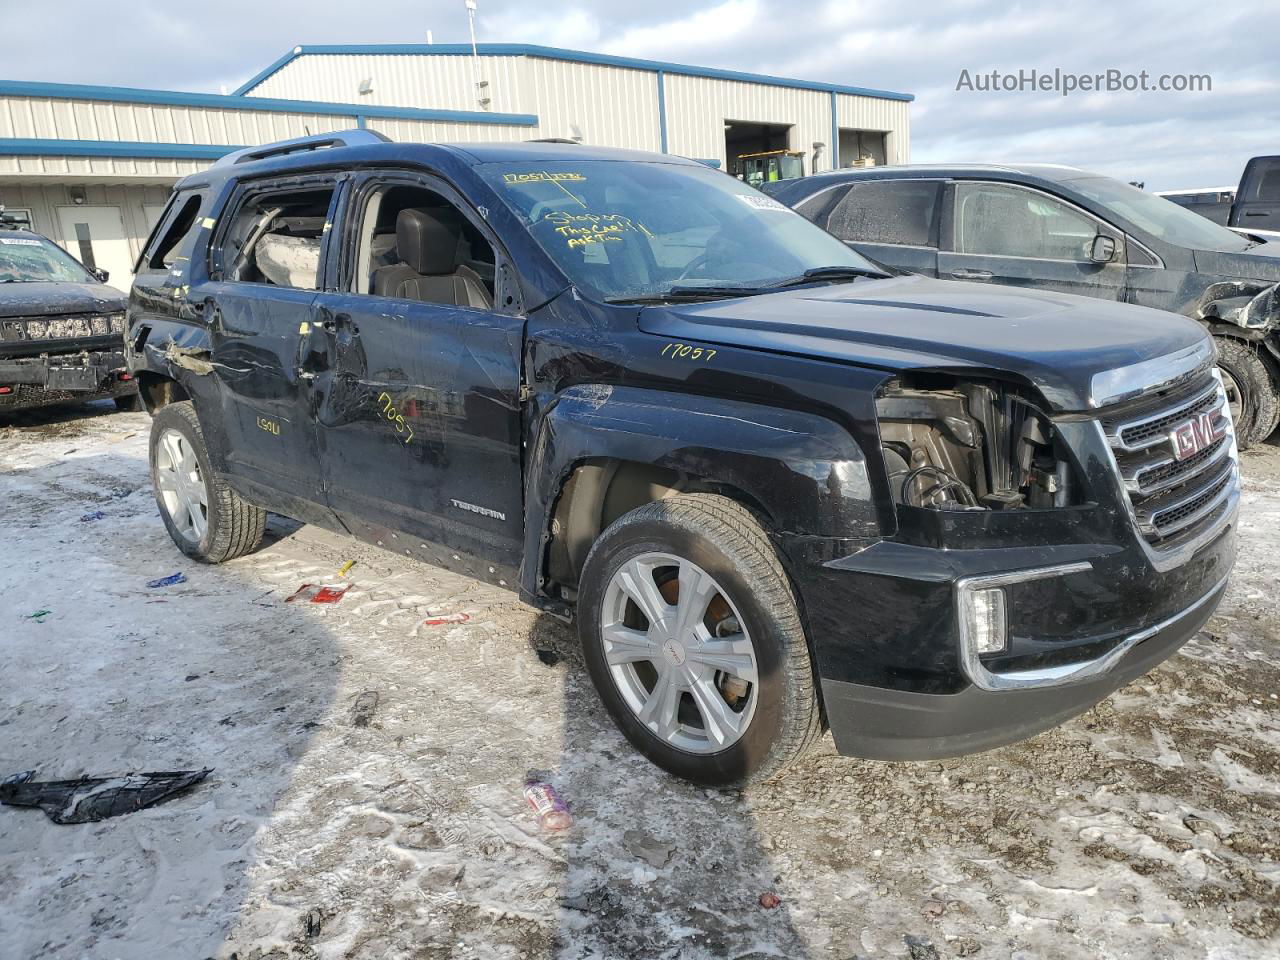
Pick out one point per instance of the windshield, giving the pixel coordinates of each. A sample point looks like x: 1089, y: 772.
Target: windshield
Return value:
x: 1159, y: 217
x: 28, y: 259
x: 623, y: 230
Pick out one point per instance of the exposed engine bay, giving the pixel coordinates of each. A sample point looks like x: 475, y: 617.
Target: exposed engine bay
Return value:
x: 953, y: 444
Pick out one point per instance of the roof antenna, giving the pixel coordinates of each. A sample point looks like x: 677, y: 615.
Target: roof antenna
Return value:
x: 475, y: 57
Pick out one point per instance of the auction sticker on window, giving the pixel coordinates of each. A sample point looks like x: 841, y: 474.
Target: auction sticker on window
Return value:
x: 16, y: 242
x: 761, y: 202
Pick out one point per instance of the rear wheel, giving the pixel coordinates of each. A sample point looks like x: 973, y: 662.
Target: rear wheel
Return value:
x: 208, y: 520
x: 693, y: 639
x: 1251, y: 390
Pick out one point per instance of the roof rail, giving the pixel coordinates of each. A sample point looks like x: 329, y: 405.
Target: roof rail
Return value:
x: 577, y: 143
x: 320, y: 141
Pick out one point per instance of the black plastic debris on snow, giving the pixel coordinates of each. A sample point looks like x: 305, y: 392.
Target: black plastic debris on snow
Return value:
x: 91, y: 799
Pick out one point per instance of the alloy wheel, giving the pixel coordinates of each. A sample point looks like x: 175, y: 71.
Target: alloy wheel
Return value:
x: 679, y: 653
x: 182, y: 487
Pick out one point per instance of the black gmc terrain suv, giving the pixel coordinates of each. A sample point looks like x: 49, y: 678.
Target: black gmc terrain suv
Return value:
x: 60, y: 328
x: 777, y: 489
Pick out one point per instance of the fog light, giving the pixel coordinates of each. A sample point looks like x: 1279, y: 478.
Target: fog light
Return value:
x: 985, y: 619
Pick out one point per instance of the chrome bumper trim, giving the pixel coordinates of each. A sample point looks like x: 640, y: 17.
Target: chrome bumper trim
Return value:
x: 1061, y: 674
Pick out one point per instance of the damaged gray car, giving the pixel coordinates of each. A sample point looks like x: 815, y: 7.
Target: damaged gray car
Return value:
x: 1065, y: 229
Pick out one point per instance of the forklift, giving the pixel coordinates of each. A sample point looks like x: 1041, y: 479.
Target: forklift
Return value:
x: 771, y: 165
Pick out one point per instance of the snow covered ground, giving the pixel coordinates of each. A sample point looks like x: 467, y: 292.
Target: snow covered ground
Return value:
x: 365, y: 800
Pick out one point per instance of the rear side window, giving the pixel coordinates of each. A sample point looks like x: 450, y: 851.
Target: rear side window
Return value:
x: 888, y: 211
x: 1267, y: 180
x: 274, y: 237
x: 171, y: 240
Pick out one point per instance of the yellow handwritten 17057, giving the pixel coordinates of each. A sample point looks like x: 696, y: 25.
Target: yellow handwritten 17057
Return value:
x: 581, y: 229
x: 539, y: 175
x: 394, y: 416
x: 685, y: 351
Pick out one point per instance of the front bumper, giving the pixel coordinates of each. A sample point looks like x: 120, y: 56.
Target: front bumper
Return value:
x: 999, y: 708
x: 63, y: 377
x: 902, y: 680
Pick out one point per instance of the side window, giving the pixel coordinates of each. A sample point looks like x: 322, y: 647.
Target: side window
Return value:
x: 274, y: 237
x: 413, y: 244
x: 171, y: 239
x: 814, y: 207
x: 888, y: 211
x: 1268, y: 181
x: 1005, y: 221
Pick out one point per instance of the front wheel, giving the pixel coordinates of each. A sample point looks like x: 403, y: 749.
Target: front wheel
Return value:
x: 208, y: 520
x: 1251, y: 390
x: 693, y: 639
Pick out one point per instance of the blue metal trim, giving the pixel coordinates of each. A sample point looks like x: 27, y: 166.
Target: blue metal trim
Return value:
x: 574, y: 56
x: 217, y: 101
x: 835, y: 134
x: 263, y: 74
x: 662, y: 110
x: 360, y: 123
x: 128, y: 149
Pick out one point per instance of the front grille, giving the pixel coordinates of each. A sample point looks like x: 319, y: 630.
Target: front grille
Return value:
x: 1171, y: 499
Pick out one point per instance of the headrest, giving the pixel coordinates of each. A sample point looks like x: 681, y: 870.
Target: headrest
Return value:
x: 429, y: 240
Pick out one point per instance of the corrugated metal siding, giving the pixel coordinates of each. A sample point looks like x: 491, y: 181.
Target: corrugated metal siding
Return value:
x: 43, y: 200
x: 104, y: 167
x: 890, y: 116
x: 697, y: 108
x: 24, y: 117
x: 610, y: 106
x: 436, y: 82
x: 420, y: 131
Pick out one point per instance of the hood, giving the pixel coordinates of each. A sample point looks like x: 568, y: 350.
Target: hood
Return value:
x: 1056, y: 342
x: 53, y: 299
x: 1257, y: 263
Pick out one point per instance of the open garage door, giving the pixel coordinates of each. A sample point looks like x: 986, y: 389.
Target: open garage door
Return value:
x: 759, y: 152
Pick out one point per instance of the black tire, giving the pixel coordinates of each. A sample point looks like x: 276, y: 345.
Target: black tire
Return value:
x: 727, y: 542
x: 129, y: 403
x: 1259, y: 398
x: 233, y: 526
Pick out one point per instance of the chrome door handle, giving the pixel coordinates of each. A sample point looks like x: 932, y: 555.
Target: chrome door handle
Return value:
x: 965, y: 274
x: 306, y: 375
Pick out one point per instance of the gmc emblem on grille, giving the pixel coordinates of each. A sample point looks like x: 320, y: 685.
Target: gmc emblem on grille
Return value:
x: 1191, y: 437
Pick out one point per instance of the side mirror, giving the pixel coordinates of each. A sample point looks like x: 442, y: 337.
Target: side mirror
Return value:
x: 1103, y: 249
x: 100, y: 274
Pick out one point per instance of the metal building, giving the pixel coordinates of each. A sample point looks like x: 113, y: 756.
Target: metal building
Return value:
x: 91, y: 166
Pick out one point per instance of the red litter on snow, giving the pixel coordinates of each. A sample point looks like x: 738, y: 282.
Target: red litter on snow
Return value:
x: 447, y: 618
x: 318, y: 593
x: 770, y: 900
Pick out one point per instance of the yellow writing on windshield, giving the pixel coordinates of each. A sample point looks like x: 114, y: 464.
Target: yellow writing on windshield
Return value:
x: 540, y: 175
x: 581, y: 229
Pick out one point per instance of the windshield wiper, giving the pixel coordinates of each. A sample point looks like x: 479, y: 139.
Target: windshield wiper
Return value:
x: 689, y: 293
x: 831, y: 273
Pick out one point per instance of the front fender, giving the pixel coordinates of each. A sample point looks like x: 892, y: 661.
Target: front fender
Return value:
x: 803, y: 470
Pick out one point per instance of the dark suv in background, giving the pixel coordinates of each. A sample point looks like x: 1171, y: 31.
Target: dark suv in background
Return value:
x: 1060, y: 228
x: 61, y: 328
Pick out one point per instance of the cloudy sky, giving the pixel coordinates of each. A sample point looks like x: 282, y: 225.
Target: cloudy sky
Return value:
x: 1168, y: 140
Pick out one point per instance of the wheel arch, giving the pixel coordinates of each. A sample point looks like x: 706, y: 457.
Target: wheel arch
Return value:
x: 600, y: 451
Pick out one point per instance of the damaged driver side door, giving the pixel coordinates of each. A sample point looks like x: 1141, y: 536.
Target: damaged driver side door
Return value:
x: 265, y: 270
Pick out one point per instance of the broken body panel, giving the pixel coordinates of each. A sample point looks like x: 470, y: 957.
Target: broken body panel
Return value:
x: 500, y: 442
